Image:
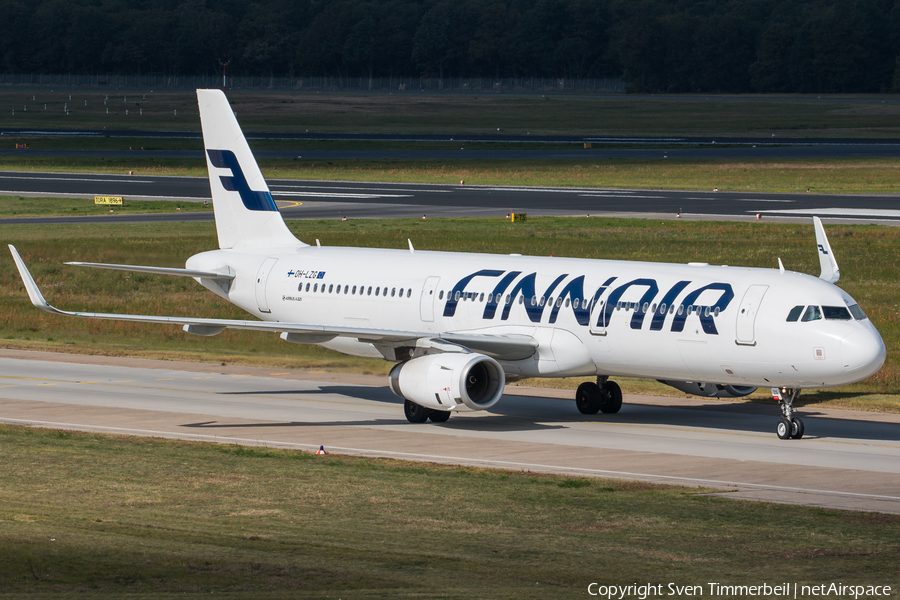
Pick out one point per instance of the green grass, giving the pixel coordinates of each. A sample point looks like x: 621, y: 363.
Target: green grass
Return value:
x: 866, y: 255
x: 838, y: 176
x: 785, y: 116
x: 22, y: 206
x: 86, y: 516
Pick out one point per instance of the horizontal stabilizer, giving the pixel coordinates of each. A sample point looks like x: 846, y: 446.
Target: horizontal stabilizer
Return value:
x: 226, y: 275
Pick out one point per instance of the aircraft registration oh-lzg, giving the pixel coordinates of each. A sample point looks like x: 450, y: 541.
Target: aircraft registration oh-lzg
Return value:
x: 460, y: 325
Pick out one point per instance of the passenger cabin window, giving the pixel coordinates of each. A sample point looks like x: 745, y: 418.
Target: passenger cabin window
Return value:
x: 409, y: 293
x: 836, y: 313
x: 813, y: 313
x: 795, y: 313
x: 857, y: 312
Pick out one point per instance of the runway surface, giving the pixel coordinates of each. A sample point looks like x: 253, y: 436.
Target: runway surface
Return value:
x: 848, y: 460
x: 335, y: 199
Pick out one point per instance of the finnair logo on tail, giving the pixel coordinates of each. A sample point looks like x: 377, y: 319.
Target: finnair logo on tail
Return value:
x: 236, y: 182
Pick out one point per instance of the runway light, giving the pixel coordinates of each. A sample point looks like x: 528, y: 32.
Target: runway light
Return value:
x: 321, y: 450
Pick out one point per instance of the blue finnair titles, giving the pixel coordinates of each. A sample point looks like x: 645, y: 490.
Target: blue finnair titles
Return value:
x: 457, y: 333
x: 582, y: 306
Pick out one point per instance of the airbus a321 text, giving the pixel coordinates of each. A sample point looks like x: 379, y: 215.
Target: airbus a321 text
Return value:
x: 460, y: 325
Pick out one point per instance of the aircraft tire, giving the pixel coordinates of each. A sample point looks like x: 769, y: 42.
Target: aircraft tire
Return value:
x: 784, y: 429
x: 796, y: 428
x: 439, y: 416
x: 415, y: 413
x: 588, y: 398
x: 612, y: 398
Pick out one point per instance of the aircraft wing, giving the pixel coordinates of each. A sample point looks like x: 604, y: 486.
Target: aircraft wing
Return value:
x: 503, y: 347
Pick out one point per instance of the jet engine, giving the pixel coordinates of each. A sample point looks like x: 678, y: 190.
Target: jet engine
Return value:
x: 450, y: 381
x: 711, y: 390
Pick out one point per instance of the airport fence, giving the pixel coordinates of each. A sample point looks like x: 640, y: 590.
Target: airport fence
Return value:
x: 354, y: 84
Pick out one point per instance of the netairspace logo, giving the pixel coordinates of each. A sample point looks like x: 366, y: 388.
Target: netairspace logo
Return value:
x: 721, y: 590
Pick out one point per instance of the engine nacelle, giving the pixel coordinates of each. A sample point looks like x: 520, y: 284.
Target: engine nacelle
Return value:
x: 450, y: 381
x: 711, y: 390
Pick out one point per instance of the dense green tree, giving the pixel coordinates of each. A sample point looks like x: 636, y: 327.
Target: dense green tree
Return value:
x: 654, y: 45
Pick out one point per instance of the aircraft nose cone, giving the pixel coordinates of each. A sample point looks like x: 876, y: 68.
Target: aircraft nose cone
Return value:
x: 863, y: 353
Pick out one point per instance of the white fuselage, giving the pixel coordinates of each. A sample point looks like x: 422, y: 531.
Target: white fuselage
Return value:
x: 724, y: 325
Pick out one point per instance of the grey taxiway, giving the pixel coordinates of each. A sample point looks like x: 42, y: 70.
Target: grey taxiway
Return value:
x: 848, y: 460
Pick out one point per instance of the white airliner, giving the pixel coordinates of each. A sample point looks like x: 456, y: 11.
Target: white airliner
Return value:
x: 460, y: 325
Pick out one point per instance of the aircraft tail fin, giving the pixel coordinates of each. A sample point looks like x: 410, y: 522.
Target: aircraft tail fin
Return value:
x: 246, y: 214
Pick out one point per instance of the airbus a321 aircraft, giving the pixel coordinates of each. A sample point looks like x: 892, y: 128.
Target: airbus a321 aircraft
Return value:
x: 460, y: 325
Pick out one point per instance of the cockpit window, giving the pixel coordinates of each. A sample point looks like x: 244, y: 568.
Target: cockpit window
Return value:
x: 813, y: 313
x: 857, y: 312
x: 836, y: 313
x: 794, y: 314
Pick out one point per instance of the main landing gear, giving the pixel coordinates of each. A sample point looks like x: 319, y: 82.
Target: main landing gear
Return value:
x: 789, y: 426
x: 604, y: 396
x: 420, y: 414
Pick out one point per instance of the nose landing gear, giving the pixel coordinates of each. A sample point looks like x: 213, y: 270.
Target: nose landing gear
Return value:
x: 604, y: 396
x: 789, y: 426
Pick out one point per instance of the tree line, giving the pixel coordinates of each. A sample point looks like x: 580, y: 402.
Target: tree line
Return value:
x: 654, y: 45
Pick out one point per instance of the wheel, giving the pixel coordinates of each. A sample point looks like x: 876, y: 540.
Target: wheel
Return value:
x: 415, y: 413
x: 784, y: 429
x: 796, y: 428
x: 612, y: 398
x: 439, y: 416
x: 588, y: 398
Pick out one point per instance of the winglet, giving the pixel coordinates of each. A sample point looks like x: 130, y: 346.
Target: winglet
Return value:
x: 34, y: 292
x: 830, y: 271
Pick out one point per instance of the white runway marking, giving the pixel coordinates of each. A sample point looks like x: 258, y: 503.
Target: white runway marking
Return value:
x: 848, y: 212
x: 74, y: 179
x: 324, y: 194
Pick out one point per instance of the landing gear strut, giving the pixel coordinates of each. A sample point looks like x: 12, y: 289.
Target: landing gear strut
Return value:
x: 419, y: 414
x: 604, y: 396
x: 789, y: 426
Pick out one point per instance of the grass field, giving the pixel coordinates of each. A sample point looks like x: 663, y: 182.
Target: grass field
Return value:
x: 87, y: 516
x: 785, y: 116
x: 22, y: 206
x: 842, y: 176
x: 865, y: 254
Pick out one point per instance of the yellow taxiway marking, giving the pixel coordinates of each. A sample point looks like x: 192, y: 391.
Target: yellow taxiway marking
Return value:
x: 84, y: 382
x: 287, y: 203
x: 279, y: 373
x: 124, y: 380
x: 170, y: 379
x: 3, y: 386
x: 46, y: 384
x: 242, y: 375
x: 202, y: 377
